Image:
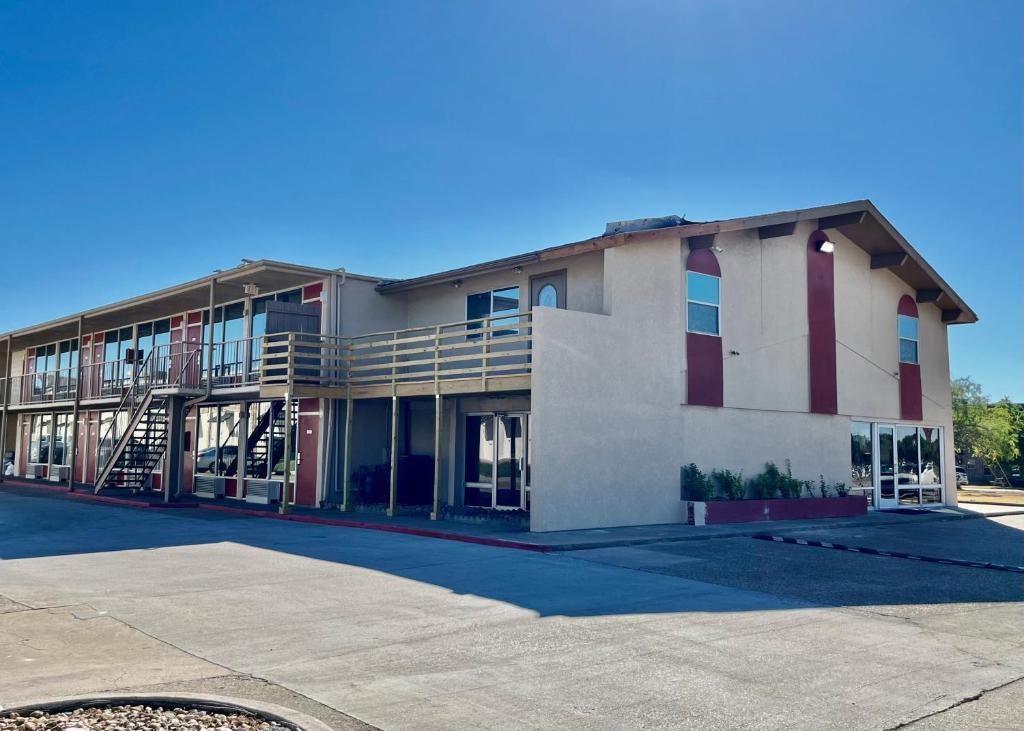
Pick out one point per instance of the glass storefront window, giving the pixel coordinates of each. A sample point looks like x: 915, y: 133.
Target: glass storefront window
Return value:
x: 40, y: 435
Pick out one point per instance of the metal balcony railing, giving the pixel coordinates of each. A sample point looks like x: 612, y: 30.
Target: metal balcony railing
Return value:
x: 478, y: 349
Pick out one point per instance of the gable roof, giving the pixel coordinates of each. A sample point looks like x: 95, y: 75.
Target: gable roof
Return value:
x: 860, y: 221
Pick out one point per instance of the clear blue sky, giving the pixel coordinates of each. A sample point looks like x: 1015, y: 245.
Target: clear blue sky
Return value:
x: 143, y: 144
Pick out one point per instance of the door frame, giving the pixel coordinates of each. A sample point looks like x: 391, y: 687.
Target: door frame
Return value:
x: 886, y: 503
x: 562, y: 286
x: 524, y: 459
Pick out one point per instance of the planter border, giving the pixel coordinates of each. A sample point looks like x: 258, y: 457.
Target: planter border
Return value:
x: 286, y: 717
x: 718, y: 512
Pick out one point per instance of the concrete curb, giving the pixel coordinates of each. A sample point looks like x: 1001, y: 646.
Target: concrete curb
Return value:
x: 890, y: 554
x: 286, y: 717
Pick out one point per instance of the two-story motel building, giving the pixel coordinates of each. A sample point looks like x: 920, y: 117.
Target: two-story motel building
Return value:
x: 570, y: 383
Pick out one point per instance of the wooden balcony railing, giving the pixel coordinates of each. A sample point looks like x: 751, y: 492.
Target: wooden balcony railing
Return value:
x: 471, y: 350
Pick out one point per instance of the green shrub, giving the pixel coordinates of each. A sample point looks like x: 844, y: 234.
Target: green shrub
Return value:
x: 822, y: 486
x: 841, y: 489
x: 730, y: 484
x: 694, y: 483
x: 774, y: 483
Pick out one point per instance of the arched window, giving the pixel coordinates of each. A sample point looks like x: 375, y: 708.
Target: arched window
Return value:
x: 548, y: 296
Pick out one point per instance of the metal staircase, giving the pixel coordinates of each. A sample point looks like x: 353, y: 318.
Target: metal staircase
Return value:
x: 140, y: 448
x: 257, y: 448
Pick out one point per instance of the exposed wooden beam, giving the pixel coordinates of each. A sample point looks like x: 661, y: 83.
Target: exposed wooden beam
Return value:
x: 928, y: 295
x: 843, y: 219
x: 951, y: 315
x: 776, y: 230
x: 705, y: 241
x: 888, y: 260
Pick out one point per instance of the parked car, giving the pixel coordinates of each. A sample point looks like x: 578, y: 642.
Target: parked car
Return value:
x: 961, y: 477
x: 206, y: 460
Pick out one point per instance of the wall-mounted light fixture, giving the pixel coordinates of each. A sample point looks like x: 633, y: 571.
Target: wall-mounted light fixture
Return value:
x: 717, y: 249
x: 456, y: 283
x: 517, y: 270
x: 826, y: 247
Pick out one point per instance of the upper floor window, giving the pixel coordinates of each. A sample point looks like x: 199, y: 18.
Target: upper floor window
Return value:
x: 702, y: 303
x: 907, y: 326
x: 493, y: 303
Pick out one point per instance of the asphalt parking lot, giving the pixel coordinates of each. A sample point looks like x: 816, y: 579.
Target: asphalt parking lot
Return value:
x: 402, y: 632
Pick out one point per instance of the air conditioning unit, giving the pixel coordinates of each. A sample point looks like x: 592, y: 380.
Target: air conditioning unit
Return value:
x: 209, y: 486
x: 264, y: 492
x: 35, y: 471
x: 59, y: 472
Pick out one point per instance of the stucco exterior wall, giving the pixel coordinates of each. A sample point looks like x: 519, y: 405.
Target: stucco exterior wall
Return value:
x: 611, y: 426
x: 364, y: 310
x: 442, y: 303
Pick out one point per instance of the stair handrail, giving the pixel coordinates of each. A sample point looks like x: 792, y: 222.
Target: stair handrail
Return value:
x: 128, y: 397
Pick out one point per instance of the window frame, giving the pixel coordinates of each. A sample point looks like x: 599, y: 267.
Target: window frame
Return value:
x: 716, y: 305
x: 915, y: 340
x: 504, y: 332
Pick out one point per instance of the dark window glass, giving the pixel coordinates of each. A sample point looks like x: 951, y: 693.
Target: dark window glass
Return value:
x: 908, y: 351
x: 886, y: 467
x: 908, y: 471
x: 860, y: 454
x: 292, y: 295
x: 702, y: 318
x: 931, y: 461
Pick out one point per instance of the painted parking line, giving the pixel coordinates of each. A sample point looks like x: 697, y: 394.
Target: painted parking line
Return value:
x: 890, y: 554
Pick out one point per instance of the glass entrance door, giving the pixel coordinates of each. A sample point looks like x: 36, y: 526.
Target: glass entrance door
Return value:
x: 886, y: 469
x: 495, y: 464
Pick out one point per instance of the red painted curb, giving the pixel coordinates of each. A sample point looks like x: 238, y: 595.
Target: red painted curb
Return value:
x: 405, y: 530
x: 310, y: 519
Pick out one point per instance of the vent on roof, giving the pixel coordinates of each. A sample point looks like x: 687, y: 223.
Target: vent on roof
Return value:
x: 643, y: 224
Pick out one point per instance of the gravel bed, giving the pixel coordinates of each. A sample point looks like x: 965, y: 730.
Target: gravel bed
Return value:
x: 136, y: 718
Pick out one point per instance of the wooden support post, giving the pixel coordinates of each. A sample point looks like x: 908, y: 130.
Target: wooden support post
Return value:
x: 393, y: 491
x: 74, y: 412
x: 435, y: 511
x: 284, y: 507
x: 486, y: 350
x: 346, y: 477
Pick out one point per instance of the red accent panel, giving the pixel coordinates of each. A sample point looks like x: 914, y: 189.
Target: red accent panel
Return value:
x: 195, y: 318
x: 703, y: 261
x: 704, y: 381
x: 312, y: 291
x: 821, y: 322
x: 176, y: 322
x: 753, y: 511
x: 911, y: 408
x: 308, y: 442
x: 907, y: 306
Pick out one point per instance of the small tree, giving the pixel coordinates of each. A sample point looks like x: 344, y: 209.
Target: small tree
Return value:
x: 982, y: 429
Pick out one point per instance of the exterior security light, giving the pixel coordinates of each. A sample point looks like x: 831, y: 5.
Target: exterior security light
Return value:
x: 826, y: 247
x: 457, y: 283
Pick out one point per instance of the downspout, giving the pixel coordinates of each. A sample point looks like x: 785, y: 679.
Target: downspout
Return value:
x: 331, y: 453
x: 209, y: 380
